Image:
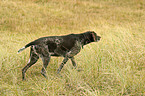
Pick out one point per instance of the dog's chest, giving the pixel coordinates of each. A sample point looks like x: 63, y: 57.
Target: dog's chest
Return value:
x: 74, y: 50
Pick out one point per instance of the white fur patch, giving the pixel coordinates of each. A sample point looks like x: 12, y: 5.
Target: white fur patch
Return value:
x: 20, y: 50
x: 29, y: 60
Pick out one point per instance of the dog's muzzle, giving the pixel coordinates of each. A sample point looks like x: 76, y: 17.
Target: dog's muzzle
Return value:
x: 98, y: 38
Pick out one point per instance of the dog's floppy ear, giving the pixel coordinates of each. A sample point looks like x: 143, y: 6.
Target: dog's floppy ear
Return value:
x: 93, y: 36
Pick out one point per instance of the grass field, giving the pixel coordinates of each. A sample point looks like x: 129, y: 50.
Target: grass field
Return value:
x: 115, y: 66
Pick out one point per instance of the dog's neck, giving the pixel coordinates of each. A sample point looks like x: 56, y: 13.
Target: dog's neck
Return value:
x: 85, y: 40
x: 86, y: 37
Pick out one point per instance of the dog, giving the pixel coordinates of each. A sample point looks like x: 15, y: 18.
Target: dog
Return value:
x: 66, y: 46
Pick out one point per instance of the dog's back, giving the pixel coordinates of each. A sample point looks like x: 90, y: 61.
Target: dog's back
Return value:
x: 67, y: 46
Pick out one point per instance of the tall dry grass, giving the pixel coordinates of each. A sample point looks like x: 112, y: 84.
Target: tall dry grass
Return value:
x: 115, y: 66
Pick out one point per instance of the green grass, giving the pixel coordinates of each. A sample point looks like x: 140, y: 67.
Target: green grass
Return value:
x: 115, y: 66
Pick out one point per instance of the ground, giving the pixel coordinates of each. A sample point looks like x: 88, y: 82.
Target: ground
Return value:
x: 114, y: 66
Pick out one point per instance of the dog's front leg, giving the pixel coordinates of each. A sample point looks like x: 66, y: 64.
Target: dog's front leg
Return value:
x: 62, y: 64
x: 73, y: 62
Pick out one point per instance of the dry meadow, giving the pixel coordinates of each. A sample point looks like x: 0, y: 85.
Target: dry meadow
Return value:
x: 114, y: 66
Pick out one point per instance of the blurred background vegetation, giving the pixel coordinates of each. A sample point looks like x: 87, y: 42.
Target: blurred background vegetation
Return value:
x: 115, y: 66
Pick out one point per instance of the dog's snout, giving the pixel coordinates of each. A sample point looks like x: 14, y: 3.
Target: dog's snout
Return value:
x: 98, y: 37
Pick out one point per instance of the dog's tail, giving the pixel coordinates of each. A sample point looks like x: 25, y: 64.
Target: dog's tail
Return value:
x: 23, y: 48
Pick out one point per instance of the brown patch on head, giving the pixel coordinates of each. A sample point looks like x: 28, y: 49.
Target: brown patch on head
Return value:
x: 93, y: 35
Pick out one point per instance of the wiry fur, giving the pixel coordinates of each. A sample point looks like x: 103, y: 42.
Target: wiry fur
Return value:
x: 67, y: 46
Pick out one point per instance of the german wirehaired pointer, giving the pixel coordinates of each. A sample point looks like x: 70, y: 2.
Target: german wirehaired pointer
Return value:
x: 67, y: 46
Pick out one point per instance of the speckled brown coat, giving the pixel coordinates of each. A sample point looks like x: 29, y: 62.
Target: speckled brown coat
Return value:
x: 66, y: 46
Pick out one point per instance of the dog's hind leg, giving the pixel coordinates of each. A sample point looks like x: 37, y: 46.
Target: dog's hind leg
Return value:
x: 33, y: 59
x: 62, y: 64
x: 73, y: 62
x: 45, y: 64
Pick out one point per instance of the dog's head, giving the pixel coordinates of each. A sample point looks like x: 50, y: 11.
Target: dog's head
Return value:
x: 91, y: 36
x: 95, y: 37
